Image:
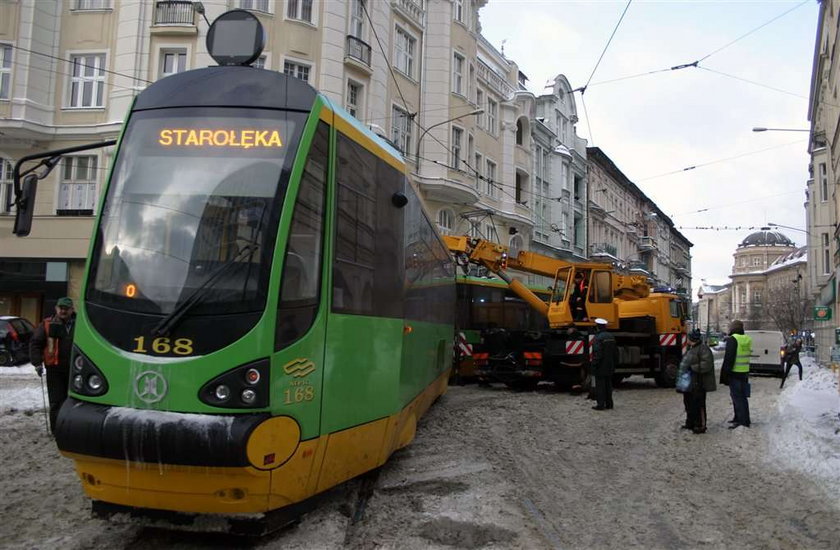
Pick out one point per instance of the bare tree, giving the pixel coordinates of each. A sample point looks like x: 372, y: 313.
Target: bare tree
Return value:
x: 787, y: 308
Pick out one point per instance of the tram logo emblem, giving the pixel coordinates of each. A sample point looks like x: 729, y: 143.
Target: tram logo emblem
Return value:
x: 299, y: 367
x: 150, y: 386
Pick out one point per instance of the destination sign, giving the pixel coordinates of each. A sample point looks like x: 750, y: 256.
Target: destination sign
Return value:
x: 209, y: 137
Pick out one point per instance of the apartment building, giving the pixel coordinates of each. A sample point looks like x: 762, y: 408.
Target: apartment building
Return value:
x: 490, y: 158
x: 627, y: 229
x: 821, y: 207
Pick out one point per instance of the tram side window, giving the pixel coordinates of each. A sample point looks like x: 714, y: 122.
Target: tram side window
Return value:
x: 367, y: 274
x: 301, y: 277
x: 429, y: 269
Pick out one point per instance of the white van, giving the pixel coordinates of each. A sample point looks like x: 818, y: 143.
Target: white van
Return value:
x: 767, y: 351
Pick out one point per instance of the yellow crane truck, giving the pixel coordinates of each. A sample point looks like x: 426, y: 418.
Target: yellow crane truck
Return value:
x: 649, y: 326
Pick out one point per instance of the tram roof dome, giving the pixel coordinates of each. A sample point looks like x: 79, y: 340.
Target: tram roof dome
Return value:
x: 766, y: 237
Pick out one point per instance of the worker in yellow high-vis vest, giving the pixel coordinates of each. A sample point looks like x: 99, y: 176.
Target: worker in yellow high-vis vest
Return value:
x: 735, y: 372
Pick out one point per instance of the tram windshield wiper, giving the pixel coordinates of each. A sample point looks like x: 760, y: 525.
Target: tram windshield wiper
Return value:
x: 168, y: 323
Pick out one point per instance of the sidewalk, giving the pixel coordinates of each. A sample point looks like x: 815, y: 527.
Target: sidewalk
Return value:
x: 805, y: 434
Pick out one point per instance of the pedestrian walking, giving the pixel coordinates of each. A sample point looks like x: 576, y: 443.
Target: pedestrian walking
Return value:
x: 698, y: 359
x: 604, y: 361
x: 735, y: 370
x: 792, y: 358
x: 49, y: 350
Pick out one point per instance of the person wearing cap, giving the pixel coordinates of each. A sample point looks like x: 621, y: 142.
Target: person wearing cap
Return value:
x: 735, y: 370
x: 604, y: 361
x: 51, y: 346
x: 699, y: 359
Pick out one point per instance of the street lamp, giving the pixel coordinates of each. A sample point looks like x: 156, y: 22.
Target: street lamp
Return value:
x: 426, y: 131
x: 762, y: 129
x: 771, y: 224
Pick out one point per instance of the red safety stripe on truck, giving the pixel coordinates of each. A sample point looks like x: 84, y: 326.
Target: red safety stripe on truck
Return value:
x: 464, y: 346
x: 574, y: 347
x: 667, y: 339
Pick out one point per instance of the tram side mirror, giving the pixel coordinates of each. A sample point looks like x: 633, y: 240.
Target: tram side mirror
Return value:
x: 399, y: 199
x: 25, y: 205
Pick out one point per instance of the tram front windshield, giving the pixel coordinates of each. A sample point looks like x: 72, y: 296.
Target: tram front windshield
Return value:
x: 190, y: 211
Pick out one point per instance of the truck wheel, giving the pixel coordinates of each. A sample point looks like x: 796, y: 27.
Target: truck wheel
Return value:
x: 667, y: 377
x: 5, y: 358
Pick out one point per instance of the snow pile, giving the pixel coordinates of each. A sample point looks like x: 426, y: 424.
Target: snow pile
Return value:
x: 20, y: 390
x: 805, y: 434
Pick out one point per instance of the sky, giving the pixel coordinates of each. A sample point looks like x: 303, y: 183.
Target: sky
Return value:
x: 654, y: 126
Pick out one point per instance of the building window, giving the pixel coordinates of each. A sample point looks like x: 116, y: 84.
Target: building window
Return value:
x: 446, y: 219
x: 5, y: 71
x: 87, y: 81
x: 479, y: 101
x: 491, y: 234
x: 299, y: 9
x: 357, y: 19
x: 259, y: 63
x: 404, y: 52
x: 172, y: 61
x: 823, y: 183
x: 826, y: 255
x: 459, y: 11
x: 92, y: 4
x: 492, y: 107
x: 401, y: 129
x: 297, y: 70
x: 258, y: 5
x: 457, y: 137
x: 756, y: 261
x: 490, y: 174
x: 77, y: 187
x: 478, y: 167
x: 458, y: 73
x: 6, y: 191
x: 756, y: 296
x: 354, y: 97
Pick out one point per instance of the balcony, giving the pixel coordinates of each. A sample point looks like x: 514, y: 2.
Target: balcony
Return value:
x: 646, y: 243
x: 494, y: 80
x: 357, y: 52
x: 603, y: 250
x: 411, y: 10
x: 174, y: 12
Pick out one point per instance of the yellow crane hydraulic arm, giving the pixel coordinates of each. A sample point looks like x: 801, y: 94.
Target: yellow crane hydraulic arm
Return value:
x: 495, y: 258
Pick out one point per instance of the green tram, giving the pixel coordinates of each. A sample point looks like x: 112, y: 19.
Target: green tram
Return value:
x: 267, y: 310
x: 490, y: 321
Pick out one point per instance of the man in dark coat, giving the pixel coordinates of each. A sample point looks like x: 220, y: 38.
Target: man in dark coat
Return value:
x: 51, y: 346
x: 792, y: 358
x: 699, y: 359
x: 604, y: 361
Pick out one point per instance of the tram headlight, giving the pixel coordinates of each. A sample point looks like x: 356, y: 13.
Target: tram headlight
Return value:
x: 243, y: 387
x: 222, y: 392
x: 252, y: 376
x: 248, y: 396
x: 94, y: 382
x: 87, y: 379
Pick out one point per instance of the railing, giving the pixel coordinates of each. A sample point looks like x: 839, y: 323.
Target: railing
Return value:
x: 604, y: 248
x: 412, y: 9
x: 647, y: 243
x: 495, y: 80
x: 174, y: 12
x: 358, y: 49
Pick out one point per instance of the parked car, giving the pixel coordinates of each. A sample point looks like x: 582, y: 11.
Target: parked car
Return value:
x: 15, y: 333
x: 768, y: 348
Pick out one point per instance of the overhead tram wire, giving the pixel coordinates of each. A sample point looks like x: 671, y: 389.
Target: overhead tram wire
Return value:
x: 64, y: 60
x: 387, y: 59
x: 696, y: 64
x: 694, y: 167
x: 582, y: 89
